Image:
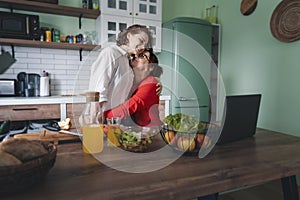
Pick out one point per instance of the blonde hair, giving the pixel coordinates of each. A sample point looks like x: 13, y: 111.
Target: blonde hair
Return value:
x: 134, y: 29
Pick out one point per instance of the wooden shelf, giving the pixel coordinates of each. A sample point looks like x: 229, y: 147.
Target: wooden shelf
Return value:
x: 51, y: 45
x: 49, y: 8
x: 41, y: 7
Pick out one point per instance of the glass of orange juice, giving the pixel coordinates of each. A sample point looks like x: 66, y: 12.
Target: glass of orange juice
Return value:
x: 92, y: 138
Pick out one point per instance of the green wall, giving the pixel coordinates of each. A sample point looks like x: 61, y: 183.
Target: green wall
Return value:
x: 252, y: 60
x: 179, y: 8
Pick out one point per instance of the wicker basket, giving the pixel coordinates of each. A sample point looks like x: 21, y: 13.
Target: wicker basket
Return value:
x: 20, y: 177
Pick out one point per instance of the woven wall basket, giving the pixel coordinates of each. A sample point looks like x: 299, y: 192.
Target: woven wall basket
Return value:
x: 285, y: 21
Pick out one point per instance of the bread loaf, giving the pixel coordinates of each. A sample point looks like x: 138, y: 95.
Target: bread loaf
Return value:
x: 7, y: 159
x: 23, y: 149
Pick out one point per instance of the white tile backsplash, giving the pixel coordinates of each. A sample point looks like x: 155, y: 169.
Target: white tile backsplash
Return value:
x: 29, y: 60
x: 74, y: 62
x: 21, y: 55
x: 40, y: 55
x: 53, y: 61
x: 71, y: 52
x: 28, y: 49
x: 72, y: 72
x: 18, y: 65
x: 63, y: 67
x: 54, y: 51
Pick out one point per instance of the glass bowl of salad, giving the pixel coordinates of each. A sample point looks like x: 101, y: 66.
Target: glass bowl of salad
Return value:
x: 135, y: 139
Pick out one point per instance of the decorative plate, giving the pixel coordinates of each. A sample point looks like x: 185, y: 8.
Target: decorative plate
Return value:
x: 248, y: 6
x: 285, y: 21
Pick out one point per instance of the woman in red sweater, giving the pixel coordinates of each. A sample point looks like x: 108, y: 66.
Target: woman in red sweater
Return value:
x: 142, y: 106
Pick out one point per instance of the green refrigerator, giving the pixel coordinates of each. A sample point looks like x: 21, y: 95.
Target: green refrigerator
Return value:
x: 186, y: 59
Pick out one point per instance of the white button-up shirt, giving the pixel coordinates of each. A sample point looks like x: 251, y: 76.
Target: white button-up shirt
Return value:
x: 112, y: 76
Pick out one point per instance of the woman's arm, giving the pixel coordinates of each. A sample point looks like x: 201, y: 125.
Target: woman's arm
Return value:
x: 145, y: 96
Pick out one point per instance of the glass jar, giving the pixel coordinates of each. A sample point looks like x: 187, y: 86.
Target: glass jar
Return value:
x: 84, y: 4
x: 92, y: 133
x: 95, y: 4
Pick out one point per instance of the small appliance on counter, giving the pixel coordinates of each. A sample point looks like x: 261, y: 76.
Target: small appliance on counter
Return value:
x: 29, y: 84
x: 8, y: 87
x: 44, y: 84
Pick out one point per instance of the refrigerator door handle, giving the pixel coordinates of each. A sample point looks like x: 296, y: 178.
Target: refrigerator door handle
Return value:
x: 187, y: 99
x: 191, y: 106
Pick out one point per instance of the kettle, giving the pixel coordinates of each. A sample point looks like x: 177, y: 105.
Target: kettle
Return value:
x: 29, y: 84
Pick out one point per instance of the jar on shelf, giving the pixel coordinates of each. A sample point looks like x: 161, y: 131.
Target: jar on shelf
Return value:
x: 95, y: 4
x: 55, y: 35
x: 48, y: 35
x: 84, y: 4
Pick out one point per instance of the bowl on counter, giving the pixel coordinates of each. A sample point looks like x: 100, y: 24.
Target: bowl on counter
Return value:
x: 130, y: 138
x: 136, y: 139
x: 187, y: 143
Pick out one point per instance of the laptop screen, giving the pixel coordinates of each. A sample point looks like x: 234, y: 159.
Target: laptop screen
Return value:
x: 239, y: 117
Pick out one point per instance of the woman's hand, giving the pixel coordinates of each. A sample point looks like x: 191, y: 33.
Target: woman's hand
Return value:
x: 159, y: 87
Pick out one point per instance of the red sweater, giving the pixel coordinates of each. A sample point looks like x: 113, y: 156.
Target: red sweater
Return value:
x: 142, y: 105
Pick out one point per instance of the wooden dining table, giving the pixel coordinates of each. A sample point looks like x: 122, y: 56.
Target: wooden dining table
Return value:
x: 266, y: 156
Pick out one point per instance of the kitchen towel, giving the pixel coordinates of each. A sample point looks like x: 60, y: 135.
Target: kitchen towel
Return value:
x: 44, y: 86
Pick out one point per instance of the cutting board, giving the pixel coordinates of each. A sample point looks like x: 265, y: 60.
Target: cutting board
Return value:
x: 48, y: 136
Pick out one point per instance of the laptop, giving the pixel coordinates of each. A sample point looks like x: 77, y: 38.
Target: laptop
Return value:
x: 239, y: 117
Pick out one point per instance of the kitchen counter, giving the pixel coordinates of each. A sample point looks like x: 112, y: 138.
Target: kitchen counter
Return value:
x: 5, y: 101
x: 267, y: 156
x: 62, y: 100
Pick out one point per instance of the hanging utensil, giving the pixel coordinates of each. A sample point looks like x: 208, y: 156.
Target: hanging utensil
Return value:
x: 6, y: 60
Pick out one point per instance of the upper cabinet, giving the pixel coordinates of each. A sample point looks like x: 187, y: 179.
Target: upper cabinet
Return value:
x: 142, y: 9
x: 50, y: 9
x: 116, y: 15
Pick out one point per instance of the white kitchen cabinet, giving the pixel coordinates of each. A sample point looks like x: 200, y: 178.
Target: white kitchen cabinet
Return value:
x: 110, y: 26
x: 143, y: 9
x: 117, y: 15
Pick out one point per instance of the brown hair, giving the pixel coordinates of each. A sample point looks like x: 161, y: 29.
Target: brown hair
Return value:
x: 153, y: 62
x: 134, y: 29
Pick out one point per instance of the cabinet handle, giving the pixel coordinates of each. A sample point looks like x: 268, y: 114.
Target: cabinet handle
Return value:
x: 21, y: 109
x: 136, y: 14
x: 130, y: 13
